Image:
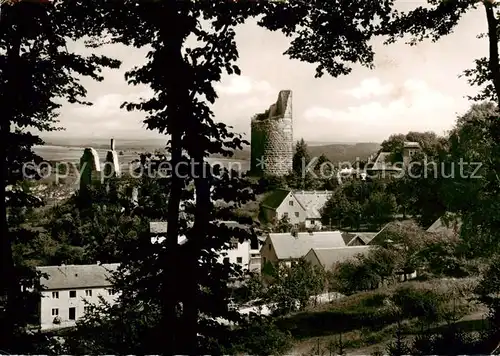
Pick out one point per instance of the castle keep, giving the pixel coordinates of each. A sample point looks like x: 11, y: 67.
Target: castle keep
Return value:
x: 272, y: 138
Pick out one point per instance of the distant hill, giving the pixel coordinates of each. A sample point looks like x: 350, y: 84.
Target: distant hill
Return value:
x: 337, y: 152
x: 345, y: 152
x: 102, y: 143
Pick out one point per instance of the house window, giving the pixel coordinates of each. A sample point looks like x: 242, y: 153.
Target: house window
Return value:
x: 265, y: 260
x: 72, y: 293
x: 72, y: 313
x: 269, y: 247
x: 285, y: 215
x: 296, y: 214
x: 233, y: 244
x: 290, y: 203
x: 111, y: 291
x: 88, y: 293
x: 226, y: 260
x: 55, y: 312
x: 86, y: 310
x: 55, y: 295
x: 239, y: 259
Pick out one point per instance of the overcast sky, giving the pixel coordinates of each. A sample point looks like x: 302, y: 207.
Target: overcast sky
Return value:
x: 412, y: 88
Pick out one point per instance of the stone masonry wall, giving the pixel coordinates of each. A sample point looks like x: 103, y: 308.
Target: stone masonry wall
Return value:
x: 258, y: 139
x: 272, y: 138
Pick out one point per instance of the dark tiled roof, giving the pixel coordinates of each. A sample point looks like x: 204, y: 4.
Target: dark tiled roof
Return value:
x: 275, y: 198
x: 366, y: 237
x: 348, y: 236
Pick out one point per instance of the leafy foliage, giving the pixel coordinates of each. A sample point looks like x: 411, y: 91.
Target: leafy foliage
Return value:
x: 291, y: 287
x: 357, y: 203
x: 37, y: 73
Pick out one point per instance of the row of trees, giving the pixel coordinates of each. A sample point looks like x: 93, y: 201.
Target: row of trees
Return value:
x: 401, y: 249
x: 358, y: 204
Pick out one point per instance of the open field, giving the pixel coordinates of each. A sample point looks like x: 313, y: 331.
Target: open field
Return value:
x: 335, y: 152
x: 73, y: 155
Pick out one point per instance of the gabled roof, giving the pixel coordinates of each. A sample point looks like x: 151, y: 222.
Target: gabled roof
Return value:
x: 439, y: 226
x: 365, y: 237
x: 348, y: 236
x: 288, y: 246
x: 275, y: 198
x: 383, y: 163
x: 376, y: 239
x: 313, y: 201
x: 77, y: 276
x: 328, y: 257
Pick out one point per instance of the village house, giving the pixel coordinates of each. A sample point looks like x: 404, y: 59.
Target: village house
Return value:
x: 328, y: 258
x: 245, y: 254
x: 287, y: 248
x: 66, y: 289
x: 300, y: 207
x: 382, y: 167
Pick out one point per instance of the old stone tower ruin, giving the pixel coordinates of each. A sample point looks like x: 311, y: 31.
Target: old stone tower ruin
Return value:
x: 272, y: 138
x: 90, y: 166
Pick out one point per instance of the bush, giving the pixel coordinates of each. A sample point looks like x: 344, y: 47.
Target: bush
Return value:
x: 260, y: 337
x: 354, y: 276
x: 374, y: 300
x: 422, y: 304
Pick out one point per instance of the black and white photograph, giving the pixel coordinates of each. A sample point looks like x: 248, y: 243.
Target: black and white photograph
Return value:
x: 250, y: 177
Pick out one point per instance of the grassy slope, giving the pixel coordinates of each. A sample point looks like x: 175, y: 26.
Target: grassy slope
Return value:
x: 363, y: 319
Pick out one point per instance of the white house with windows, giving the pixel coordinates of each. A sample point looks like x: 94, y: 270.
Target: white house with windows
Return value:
x: 300, y: 207
x: 245, y: 254
x: 67, y: 288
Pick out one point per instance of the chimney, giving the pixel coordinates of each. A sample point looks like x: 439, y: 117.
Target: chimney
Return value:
x: 112, y: 144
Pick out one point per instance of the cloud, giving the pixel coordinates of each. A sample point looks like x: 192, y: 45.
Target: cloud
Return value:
x: 238, y: 85
x: 108, y: 105
x: 411, y: 106
x: 370, y: 88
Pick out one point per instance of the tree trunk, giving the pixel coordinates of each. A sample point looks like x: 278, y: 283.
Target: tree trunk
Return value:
x: 9, y: 283
x: 494, y: 66
x: 178, y: 108
x: 196, y: 236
